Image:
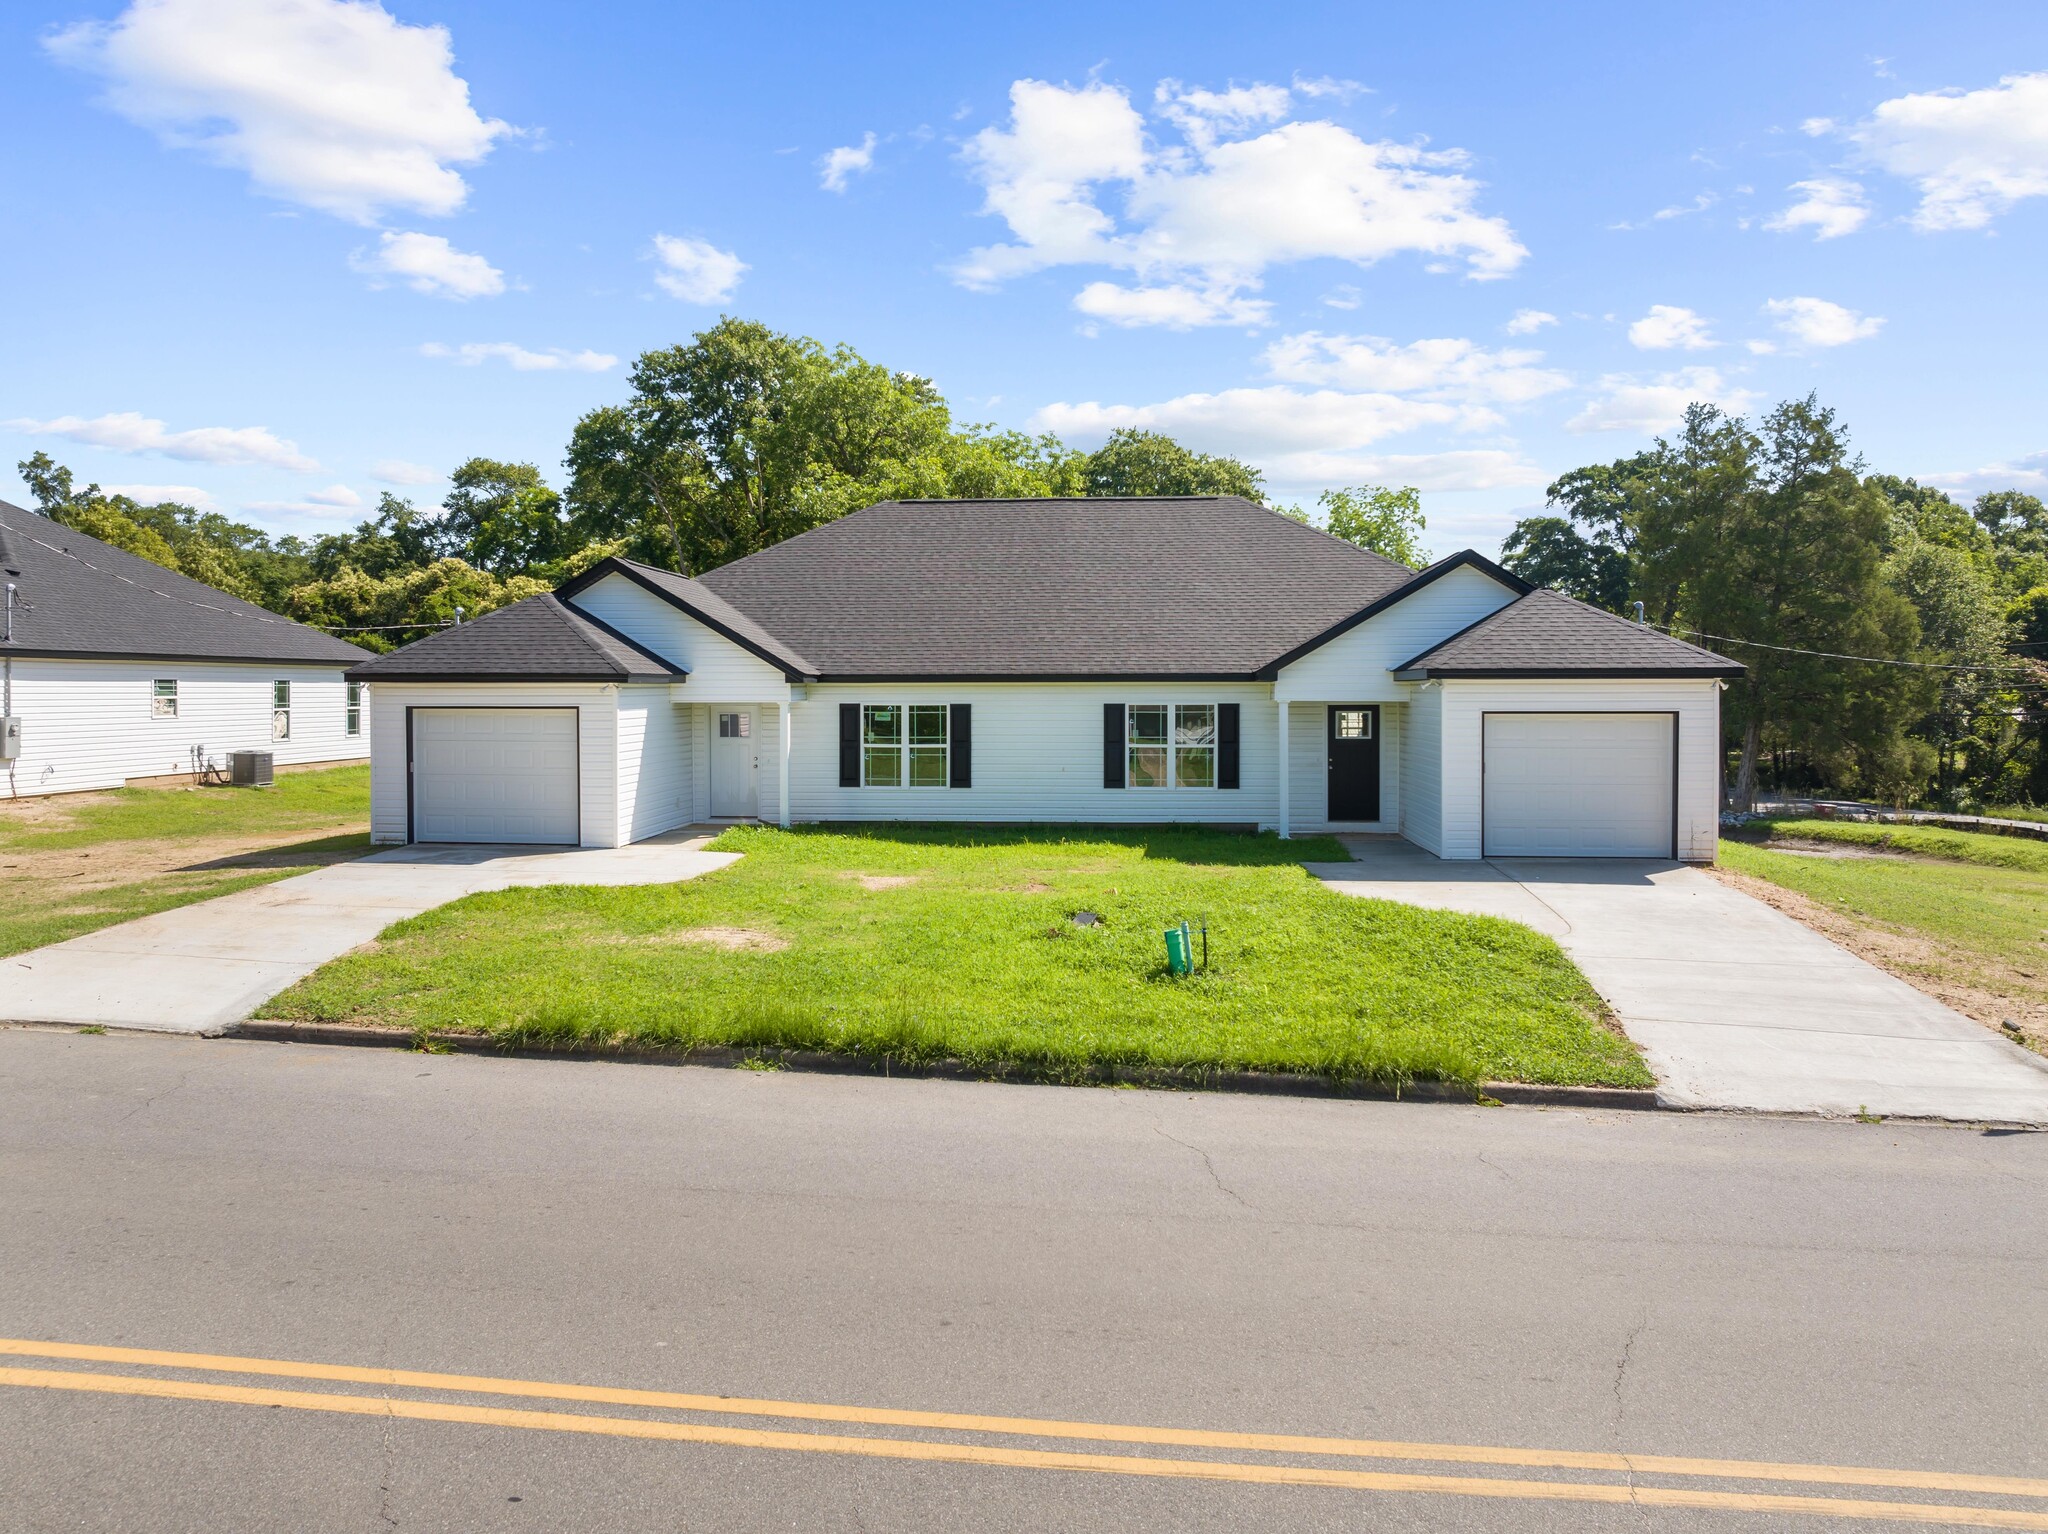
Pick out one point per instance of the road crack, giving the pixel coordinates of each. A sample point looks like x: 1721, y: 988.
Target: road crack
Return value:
x: 1628, y: 1348
x: 1221, y: 1186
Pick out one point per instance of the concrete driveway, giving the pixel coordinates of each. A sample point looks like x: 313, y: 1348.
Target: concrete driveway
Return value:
x: 1735, y: 1005
x: 202, y: 968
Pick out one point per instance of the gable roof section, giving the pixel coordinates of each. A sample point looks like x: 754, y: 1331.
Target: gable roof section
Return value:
x: 699, y: 602
x: 1465, y: 560
x: 79, y: 597
x: 541, y: 639
x: 1548, y: 634
x: 1138, y: 588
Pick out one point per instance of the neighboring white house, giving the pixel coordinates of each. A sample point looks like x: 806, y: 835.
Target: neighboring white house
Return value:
x: 115, y: 669
x: 1125, y: 661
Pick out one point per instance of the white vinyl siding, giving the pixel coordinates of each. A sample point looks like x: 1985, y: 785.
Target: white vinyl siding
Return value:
x: 720, y: 671
x: 89, y: 724
x: 597, y: 736
x: 1578, y: 785
x: 494, y: 775
x: 1308, y: 782
x: 1422, y: 770
x: 656, y: 788
x: 1037, y: 755
x: 1357, y: 666
x: 1697, y: 704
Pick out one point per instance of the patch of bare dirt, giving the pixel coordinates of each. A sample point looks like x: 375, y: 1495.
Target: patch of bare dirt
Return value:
x: 732, y: 939
x: 882, y: 881
x: 46, y: 810
x: 110, y: 863
x: 1995, y: 993
x: 1033, y: 888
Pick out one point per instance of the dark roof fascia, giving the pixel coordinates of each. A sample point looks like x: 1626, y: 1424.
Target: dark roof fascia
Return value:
x: 1025, y: 678
x: 19, y: 652
x: 527, y: 679
x: 1464, y: 559
x: 1567, y: 673
x: 617, y: 566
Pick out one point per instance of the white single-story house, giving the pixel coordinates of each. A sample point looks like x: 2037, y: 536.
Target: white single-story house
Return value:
x: 114, y: 669
x: 1172, y: 659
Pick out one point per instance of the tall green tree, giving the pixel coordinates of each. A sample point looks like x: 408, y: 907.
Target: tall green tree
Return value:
x: 1134, y: 462
x: 1551, y: 551
x: 1386, y: 520
x: 502, y: 517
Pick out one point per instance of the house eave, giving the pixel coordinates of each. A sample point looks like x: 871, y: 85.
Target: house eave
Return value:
x: 1466, y: 559
x: 1565, y: 673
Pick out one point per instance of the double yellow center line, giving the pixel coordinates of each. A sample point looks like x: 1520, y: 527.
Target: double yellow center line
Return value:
x: 984, y: 1453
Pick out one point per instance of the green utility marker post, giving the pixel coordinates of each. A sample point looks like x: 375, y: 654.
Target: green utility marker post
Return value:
x: 1177, y: 949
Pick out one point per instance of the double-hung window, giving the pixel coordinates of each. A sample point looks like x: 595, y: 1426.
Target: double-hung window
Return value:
x: 904, y: 745
x: 354, y: 722
x: 280, y: 710
x: 163, y: 698
x: 1170, y: 745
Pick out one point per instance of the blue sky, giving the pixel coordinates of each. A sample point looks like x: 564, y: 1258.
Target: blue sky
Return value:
x: 284, y: 254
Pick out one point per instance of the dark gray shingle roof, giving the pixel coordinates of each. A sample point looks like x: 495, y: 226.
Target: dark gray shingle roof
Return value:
x: 1196, y: 586
x: 1549, y: 634
x: 541, y: 639
x: 79, y: 596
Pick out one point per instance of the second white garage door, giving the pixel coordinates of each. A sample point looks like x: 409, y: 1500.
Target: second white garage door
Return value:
x: 494, y: 775
x: 1578, y: 785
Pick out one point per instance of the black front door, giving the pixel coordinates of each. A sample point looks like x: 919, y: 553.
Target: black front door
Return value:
x: 1354, y: 761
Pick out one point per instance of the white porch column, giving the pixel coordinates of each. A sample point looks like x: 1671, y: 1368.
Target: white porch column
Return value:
x: 1286, y: 761
x: 782, y: 767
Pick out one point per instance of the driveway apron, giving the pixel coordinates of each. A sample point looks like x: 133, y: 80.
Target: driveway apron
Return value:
x: 1735, y: 1005
x: 204, y: 967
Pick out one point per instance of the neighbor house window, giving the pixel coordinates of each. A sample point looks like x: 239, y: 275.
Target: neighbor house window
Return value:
x: 354, y: 725
x: 1170, y: 745
x: 163, y: 698
x: 904, y: 745
x: 280, y: 710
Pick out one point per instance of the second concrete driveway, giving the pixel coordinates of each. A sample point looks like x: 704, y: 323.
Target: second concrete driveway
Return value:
x: 1735, y: 1005
x: 204, y: 967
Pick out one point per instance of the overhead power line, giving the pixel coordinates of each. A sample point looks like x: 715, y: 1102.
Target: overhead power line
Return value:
x: 1873, y: 660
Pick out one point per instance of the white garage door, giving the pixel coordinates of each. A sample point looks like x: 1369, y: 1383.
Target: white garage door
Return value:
x: 1578, y: 785
x: 494, y: 775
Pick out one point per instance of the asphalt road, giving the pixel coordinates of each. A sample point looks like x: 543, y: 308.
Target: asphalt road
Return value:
x: 1712, y: 1288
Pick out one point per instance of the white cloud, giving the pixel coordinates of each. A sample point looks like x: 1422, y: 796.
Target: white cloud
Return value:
x: 1816, y: 322
x: 554, y: 359
x: 156, y: 495
x: 1447, y: 369
x: 841, y: 165
x: 696, y: 271
x: 1319, y: 86
x: 1440, y: 473
x: 1343, y: 296
x: 335, y: 495
x: 331, y: 104
x: 1175, y: 306
x: 2029, y: 473
x: 1629, y: 403
x: 335, y: 501
x: 427, y: 263
x: 131, y: 432
x: 1830, y: 205
x: 1526, y: 322
x: 1216, y: 210
x: 1667, y: 326
x: 1255, y: 423
x: 396, y: 471
x: 1973, y: 154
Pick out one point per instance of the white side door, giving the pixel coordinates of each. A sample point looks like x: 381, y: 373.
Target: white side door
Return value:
x: 735, y: 761
x: 1579, y: 785
x: 494, y: 775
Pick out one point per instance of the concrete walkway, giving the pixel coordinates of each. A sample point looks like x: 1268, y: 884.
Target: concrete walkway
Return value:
x: 1735, y: 1005
x: 203, y: 968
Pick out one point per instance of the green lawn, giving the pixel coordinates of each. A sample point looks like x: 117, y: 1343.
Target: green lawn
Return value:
x: 1973, y: 909
x: 299, y: 801
x: 74, y: 864
x: 959, y: 945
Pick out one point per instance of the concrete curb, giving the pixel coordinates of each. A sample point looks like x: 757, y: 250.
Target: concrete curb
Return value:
x: 1266, y: 1083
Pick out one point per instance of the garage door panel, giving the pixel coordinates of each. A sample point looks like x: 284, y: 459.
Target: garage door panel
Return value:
x: 1579, y: 785
x: 495, y: 775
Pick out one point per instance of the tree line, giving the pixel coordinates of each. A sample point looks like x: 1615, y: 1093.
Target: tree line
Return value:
x: 736, y: 440
x: 1896, y: 639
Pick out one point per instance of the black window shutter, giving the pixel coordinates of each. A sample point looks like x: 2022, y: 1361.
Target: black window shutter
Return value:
x: 849, y: 745
x: 1112, y: 745
x: 962, y: 775
x: 1226, y: 745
